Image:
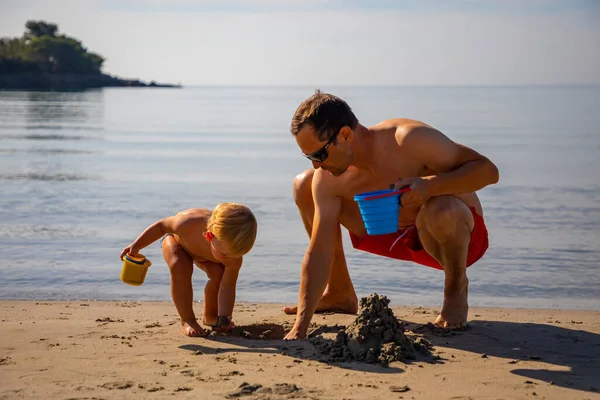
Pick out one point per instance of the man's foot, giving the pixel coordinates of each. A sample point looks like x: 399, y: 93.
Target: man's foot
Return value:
x: 330, y: 303
x: 294, y: 334
x: 454, y: 312
x: 191, y: 328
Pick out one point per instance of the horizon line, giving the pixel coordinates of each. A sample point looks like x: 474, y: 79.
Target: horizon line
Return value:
x: 249, y: 85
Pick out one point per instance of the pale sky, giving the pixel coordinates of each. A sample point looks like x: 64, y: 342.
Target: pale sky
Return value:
x: 330, y: 42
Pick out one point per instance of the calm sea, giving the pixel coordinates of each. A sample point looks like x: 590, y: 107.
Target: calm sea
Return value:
x: 82, y: 174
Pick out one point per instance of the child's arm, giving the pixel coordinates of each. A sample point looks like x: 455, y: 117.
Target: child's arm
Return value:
x: 152, y: 234
x: 226, y: 298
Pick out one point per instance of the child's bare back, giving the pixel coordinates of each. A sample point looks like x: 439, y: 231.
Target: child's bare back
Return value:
x: 191, y: 234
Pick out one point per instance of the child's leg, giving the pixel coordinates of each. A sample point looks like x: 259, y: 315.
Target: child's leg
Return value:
x: 181, y: 268
x: 214, y: 272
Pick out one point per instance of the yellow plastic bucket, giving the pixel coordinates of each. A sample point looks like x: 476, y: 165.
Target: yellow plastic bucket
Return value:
x: 134, y: 269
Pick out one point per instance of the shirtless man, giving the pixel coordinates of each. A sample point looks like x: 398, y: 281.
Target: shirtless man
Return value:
x: 440, y: 222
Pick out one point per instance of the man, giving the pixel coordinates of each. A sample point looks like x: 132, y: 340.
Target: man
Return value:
x: 440, y: 222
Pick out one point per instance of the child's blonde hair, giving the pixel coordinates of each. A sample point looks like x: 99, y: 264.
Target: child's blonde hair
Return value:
x: 235, y: 225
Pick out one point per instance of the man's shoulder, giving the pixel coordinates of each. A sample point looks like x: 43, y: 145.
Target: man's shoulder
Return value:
x: 399, y: 123
x: 402, y: 128
x: 325, y: 183
x: 323, y: 178
x: 332, y: 186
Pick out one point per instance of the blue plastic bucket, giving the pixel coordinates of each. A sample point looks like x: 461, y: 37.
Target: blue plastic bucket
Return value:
x: 379, y: 210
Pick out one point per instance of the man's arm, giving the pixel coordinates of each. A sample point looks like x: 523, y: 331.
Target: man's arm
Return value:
x: 459, y: 169
x: 316, y: 265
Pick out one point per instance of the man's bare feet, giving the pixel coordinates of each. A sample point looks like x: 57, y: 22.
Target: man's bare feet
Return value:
x: 191, y: 328
x: 331, y: 303
x: 294, y: 334
x: 454, y: 312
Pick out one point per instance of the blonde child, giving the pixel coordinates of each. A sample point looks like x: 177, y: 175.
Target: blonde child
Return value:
x: 213, y: 240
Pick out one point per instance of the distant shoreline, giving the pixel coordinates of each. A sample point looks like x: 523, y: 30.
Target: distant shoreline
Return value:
x: 45, y: 81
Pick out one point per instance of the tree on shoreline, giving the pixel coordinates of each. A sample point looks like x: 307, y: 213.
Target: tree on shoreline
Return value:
x: 41, y: 49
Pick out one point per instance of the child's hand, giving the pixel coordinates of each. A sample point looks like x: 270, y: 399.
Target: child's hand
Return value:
x: 131, y: 249
x: 223, y: 324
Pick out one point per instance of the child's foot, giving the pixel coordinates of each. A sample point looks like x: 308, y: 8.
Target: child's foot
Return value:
x: 191, y: 328
x: 225, y: 328
x: 211, y: 321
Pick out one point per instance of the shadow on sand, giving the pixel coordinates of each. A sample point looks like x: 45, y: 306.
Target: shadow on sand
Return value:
x: 574, y: 351
x: 572, y: 354
x: 268, y: 339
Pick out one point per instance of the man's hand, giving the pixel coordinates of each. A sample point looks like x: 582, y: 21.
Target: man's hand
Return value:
x: 295, y: 334
x: 420, y: 191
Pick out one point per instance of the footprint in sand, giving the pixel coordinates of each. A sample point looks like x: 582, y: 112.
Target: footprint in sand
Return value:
x: 263, y: 331
x: 106, y: 320
x: 150, y: 388
x: 280, y: 389
x: 6, y: 361
x: 125, y: 304
x: 117, y: 385
x: 232, y: 373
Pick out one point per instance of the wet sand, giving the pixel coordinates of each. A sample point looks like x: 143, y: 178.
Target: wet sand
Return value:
x: 102, y: 350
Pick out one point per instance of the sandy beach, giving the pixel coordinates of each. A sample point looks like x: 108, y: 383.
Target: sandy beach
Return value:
x: 100, y: 350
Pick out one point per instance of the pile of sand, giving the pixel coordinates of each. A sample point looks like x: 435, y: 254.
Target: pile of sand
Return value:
x: 375, y: 336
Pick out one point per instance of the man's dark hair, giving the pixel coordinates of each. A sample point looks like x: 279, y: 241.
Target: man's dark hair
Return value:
x: 325, y: 113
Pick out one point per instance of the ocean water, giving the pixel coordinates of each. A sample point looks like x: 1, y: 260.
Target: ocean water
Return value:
x: 82, y: 174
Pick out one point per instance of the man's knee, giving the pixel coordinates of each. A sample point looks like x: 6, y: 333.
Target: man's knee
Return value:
x: 445, y: 217
x: 303, y: 188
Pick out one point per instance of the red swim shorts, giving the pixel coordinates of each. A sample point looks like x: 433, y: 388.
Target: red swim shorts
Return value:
x: 405, y: 244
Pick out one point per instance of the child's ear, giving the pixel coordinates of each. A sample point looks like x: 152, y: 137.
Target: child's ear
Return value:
x: 209, y: 236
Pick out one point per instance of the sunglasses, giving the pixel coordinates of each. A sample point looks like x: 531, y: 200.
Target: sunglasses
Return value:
x: 321, y: 154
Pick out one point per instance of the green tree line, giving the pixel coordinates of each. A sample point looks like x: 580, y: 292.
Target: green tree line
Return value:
x: 42, y: 49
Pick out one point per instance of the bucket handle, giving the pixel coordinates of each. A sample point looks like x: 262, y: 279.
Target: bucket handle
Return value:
x: 131, y: 259
x: 394, y: 193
